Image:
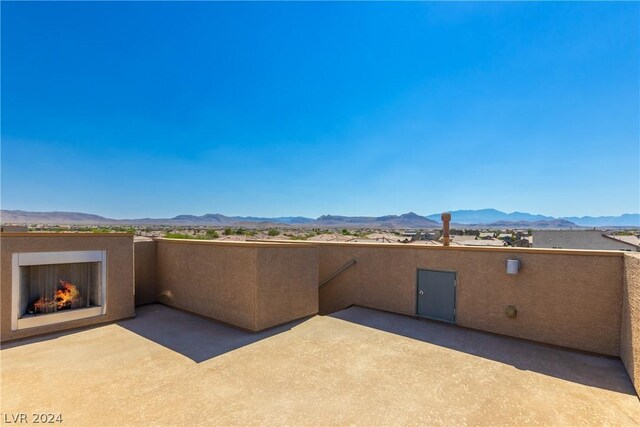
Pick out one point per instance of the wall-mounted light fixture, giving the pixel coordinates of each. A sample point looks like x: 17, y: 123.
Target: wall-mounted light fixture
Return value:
x: 513, y: 265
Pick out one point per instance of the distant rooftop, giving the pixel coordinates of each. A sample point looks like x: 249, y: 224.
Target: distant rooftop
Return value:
x: 632, y: 240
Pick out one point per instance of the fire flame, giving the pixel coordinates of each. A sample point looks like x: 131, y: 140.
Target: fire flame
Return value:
x: 65, y: 296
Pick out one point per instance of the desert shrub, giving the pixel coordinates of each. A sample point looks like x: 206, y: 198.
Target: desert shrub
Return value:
x: 212, y: 234
x: 178, y: 236
x: 300, y: 237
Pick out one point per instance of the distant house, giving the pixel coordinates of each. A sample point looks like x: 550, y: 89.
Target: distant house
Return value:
x: 472, y: 241
x: 461, y: 240
x: 409, y: 232
x: 505, y: 237
x: 431, y: 235
x: 524, y: 242
x: 584, y: 239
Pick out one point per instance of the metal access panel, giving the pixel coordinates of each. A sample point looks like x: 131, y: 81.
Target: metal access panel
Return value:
x: 437, y: 295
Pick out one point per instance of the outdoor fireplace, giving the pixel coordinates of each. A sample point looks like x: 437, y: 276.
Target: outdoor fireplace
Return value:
x: 53, y: 287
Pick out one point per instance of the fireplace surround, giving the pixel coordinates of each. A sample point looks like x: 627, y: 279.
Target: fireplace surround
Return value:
x: 54, y: 287
x: 78, y: 279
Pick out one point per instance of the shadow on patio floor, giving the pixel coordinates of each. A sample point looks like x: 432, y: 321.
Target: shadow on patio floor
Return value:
x: 583, y: 368
x: 193, y: 336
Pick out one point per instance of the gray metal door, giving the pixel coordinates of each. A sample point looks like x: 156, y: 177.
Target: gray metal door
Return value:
x: 437, y: 295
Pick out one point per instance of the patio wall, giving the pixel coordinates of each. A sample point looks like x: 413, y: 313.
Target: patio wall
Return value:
x: 563, y: 297
x: 120, y: 280
x: 145, y: 265
x: 250, y: 285
x: 630, y: 337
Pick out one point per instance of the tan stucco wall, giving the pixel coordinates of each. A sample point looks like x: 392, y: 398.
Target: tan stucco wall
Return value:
x: 120, y: 282
x: 287, y: 284
x: 566, y: 298
x: 210, y: 280
x: 630, y: 336
x: 145, y: 268
x: 249, y: 285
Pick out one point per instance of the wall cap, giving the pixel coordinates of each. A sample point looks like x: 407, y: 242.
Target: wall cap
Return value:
x: 250, y: 243
x: 63, y: 234
x: 290, y: 243
x: 307, y: 244
x: 506, y: 249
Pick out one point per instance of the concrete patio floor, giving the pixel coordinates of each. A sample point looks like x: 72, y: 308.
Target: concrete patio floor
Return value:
x: 356, y: 367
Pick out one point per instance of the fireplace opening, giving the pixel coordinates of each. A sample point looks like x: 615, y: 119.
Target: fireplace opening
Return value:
x: 56, y: 287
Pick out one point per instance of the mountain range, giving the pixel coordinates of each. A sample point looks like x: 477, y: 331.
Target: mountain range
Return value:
x: 486, y: 216
x: 490, y: 218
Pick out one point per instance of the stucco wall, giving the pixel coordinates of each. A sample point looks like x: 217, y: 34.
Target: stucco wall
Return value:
x: 249, y: 285
x: 567, y: 298
x: 287, y: 284
x: 211, y: 280
x: 120, y: 284
x: 145, y: 268
x: 630, y: 337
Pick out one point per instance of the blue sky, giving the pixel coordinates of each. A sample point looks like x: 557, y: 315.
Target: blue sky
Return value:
x: 158, y: 109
